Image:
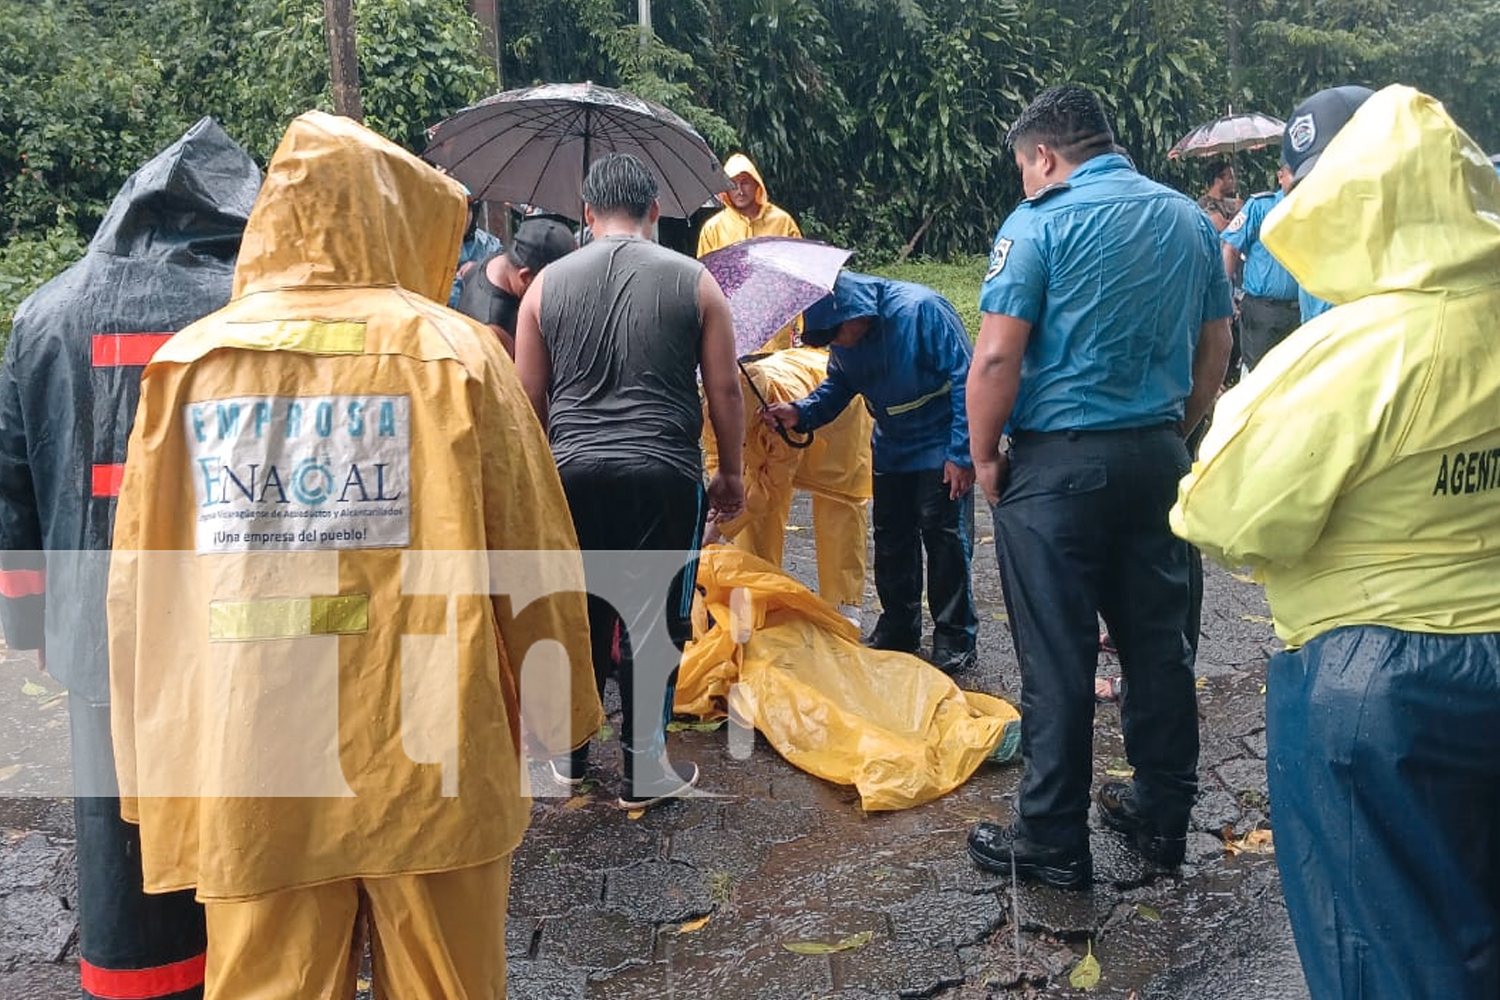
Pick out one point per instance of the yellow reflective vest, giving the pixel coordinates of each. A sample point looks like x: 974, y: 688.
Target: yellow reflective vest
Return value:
x: 311, y: 680
x: 1357, y: 468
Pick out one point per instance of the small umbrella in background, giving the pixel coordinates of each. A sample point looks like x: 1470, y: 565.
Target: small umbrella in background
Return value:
x: 768, y: 280
x: 534, y: 145
x: 1231, y: 134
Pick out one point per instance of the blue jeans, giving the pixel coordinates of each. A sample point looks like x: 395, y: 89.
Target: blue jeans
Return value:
x: 1384, y: 766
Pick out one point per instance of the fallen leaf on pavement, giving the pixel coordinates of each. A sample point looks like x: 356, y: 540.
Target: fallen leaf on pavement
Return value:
x: 1201, y: 683
x: 711, y: 726
x: 6, y: 773
x: 1257, y: 842
x: 1257, y: 619
x: 692, y: 925
x: 576, y: 802
x: 1120, y: 772
x: 635, y: 814
x: 1244, y: 577
x: 1085, y: 975
x: 822, y: 948
x: 1150, y: 913
x: 32, y: 689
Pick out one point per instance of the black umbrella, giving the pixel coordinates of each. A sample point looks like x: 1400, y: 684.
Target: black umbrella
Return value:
x: 534, y: 145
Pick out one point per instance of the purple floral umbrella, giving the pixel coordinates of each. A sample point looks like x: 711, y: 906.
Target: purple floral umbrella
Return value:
x: 769, y: 280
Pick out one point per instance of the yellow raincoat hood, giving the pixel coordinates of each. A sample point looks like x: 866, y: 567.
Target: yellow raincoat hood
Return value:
x: 314, y: 673
x: 1357, y: 468
x: 330, y: 214
x: 729, y: 226
x: 1398, y: 182
x: 738, y: 164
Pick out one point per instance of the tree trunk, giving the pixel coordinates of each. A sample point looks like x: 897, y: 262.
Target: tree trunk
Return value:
x: 487, y: 13
x: 338, y: 26
x: 1233, y: 22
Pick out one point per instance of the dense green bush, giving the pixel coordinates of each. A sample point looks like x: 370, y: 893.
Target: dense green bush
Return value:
x: 28, y: 261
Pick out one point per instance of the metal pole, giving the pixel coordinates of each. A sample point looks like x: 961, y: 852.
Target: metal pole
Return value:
x: 343, y: 60
x: 643, y: 15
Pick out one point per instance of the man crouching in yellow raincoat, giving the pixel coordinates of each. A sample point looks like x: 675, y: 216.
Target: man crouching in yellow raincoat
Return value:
x: 316, y: 699
x: 1357, y: 468
x: 835, y: 469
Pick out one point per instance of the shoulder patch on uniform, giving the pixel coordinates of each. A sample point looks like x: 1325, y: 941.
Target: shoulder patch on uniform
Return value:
x: 998, y: 255
x: 1237, y: 223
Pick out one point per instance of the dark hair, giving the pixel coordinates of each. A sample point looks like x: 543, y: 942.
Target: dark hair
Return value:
x: 1212, y: 169
x: 1069, y: 119
x: 619, y: 182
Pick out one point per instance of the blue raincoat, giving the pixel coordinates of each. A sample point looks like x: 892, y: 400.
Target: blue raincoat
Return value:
x: 910, y: 368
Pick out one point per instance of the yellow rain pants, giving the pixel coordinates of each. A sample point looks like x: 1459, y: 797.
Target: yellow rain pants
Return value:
x: 440, y: 937
x: 835, y: 470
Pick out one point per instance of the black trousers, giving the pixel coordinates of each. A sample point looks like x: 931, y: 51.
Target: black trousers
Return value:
x: 912, y: 512
x: 640, y: 530
x: 1082, y: 528
x: 131, y: 944
x: 1264, y: 323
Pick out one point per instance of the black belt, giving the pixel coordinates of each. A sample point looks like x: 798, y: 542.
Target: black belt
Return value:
x: 1079, y: 434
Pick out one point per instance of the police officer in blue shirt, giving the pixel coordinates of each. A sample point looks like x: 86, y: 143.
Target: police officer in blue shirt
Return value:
x: 1269, y: 309
x: 1104, y: 338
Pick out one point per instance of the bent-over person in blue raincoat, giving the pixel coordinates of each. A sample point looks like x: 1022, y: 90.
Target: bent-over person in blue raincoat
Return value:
x: 903, y: 347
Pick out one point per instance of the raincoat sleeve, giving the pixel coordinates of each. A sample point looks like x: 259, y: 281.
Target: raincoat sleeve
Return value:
x: 22, y: 566
x: 1276, y: 459
x: 124, y: 594
x: 528, y: 527
x: 947, y: 342
x: 827, y: 401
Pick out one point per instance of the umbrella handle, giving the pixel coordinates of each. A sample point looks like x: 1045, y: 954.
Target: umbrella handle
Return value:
x: 804, y: 441
x: 786, y: 435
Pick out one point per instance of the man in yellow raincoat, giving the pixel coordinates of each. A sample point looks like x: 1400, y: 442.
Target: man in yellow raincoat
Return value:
x: 316, y: 699
x: 1357, y: 468
x: 835, y: 469
x: 747, y: 213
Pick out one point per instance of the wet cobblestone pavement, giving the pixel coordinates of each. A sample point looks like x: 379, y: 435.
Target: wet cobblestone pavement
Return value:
x: 702, y: 897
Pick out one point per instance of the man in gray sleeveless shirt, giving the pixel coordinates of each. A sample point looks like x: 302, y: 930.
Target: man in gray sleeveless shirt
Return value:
x: 608, y: 344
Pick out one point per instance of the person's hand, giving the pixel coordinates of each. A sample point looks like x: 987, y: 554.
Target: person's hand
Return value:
x: 779, y: 415
x: 958, y: 478
x: 991, y: 477
x: 711, y: 533
x: 726, y: 496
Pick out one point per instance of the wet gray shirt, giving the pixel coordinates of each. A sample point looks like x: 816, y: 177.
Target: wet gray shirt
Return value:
x: 621, y: 323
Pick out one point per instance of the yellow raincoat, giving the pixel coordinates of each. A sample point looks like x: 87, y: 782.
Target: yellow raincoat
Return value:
x: 310, y: 680
x: 730, y: 226
x: 1357, y: 468
x: 897, y: 729
x: 835, y: 469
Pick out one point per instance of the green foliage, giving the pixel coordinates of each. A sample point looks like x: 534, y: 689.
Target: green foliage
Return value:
x: 28, y: 261
x: 957, y: 281
x: 419, y: 61
x: 79, y: 110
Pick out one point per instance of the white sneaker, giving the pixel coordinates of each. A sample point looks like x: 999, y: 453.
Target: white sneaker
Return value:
x: 851, y: 614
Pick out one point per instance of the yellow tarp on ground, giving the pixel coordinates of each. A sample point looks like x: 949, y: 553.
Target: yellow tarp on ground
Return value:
x: 898, y: 729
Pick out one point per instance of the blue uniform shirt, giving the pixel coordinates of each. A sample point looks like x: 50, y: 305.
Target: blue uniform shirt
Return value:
x: 911, y: 368
x: 1116, y: 275
x: 1263, y: 276
x: 1311, y: 305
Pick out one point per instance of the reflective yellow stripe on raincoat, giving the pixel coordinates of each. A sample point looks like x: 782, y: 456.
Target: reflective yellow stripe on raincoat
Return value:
x: 1358, y: 467
x: 322, y: 691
